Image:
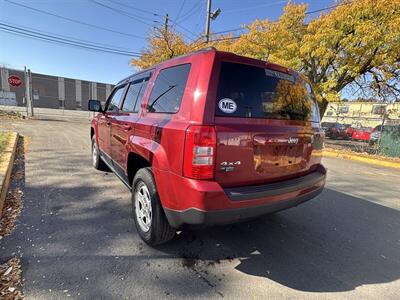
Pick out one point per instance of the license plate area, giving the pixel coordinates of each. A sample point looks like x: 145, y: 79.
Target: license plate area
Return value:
x: 279, y: 155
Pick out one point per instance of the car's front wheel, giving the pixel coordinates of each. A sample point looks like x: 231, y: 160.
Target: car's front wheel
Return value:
x: 148, y: 214
x: 97, y: 162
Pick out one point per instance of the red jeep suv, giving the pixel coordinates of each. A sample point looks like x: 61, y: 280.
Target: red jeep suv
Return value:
x: 210, y: 138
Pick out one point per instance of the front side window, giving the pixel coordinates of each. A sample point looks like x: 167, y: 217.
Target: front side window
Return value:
x: 254, y: 92
x: 113, y: 104
x: 168, y: 89
x: 131, y: 96
x: 140, y: 96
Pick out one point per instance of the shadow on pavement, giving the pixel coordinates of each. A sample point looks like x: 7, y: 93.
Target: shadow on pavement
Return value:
x: 334, y: 243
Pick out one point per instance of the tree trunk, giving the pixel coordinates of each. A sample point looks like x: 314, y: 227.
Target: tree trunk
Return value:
x: 323, y: 105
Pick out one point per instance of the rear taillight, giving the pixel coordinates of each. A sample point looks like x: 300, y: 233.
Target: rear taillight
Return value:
x: 199, y: 157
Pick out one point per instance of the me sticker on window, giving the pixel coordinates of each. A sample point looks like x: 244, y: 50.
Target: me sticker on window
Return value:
x: 227, y: 105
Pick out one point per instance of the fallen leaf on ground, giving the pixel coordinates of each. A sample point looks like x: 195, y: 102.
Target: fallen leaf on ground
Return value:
x: 10, y: 279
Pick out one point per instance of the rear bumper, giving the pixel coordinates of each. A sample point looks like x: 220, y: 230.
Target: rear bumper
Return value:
x: 195, y: 216
x: 277, y: 188
x: 239, y: 204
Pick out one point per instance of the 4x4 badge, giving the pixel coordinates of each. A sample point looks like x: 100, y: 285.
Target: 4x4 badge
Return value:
x: 229, y: 166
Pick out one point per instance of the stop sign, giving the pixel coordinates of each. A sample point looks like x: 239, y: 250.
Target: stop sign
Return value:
x: 14, y: 80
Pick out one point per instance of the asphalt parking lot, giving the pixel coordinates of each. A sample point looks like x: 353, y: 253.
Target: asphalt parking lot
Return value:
x: 77, y: 239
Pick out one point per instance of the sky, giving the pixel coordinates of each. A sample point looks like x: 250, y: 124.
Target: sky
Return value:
x: 131, y: 19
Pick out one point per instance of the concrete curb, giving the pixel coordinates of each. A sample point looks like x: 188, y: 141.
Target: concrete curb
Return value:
x: 6, y: 168
x: 375, y: 161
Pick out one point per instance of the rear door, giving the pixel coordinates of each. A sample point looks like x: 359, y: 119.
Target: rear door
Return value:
x: 266, y: 123
x: 123, y: 123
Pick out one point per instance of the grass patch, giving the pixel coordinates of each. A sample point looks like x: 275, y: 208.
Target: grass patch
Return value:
x: 4, y: 140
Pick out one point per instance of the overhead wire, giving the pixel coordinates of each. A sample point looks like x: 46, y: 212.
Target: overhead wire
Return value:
x: 190, y: 12
x: 136, y: 17
x: 253, y: 7
x: 16, y: 30
x: 200, y: 15
x: 136, y: 8
x: 74, y: 20
x: 121, y: 12
x: 242, y: 28
x: 180, y: 10
x: 177, y: 21
x: 37, y: 31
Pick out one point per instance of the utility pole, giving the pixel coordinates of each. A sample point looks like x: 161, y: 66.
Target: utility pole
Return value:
x: 166, y: 23
x: 30, y: 90
x: 208, y: 17
x: 28, y: 94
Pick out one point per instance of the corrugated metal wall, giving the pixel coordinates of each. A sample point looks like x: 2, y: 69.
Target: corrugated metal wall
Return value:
x: 52, y: 91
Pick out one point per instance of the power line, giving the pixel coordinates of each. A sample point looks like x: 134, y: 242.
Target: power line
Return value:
x: 89, y: 24
x: 46, y: 33
x: 177, y: 17
x: 26, y: 35
x: 180, y: 10
x: 307, y: 13
x: 74, y: 20
x: 200, y: 16
x: 152, y: 13
x: 185, y: 16
x: 225, y: 39
x: 253, y: 7
x: 121, y: 12
x: 229, y: 30
x: 187, y: 30
x: 190, y: 12
x: 136, y: 8
x: 158, y: 15
x: 326, y: 8
x: 54, y: 39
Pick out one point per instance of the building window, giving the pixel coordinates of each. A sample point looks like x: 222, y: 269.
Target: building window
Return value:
x: 379, y: 109
x: 35, y: 94
x: 343, y: 109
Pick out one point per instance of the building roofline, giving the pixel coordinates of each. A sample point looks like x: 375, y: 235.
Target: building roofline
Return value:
x: 57, y: 76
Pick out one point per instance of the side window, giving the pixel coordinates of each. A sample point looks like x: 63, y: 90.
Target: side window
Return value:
x: 168, y: 89
x: 115, y: 100
x: 131, y: 96
x: 140, y: 96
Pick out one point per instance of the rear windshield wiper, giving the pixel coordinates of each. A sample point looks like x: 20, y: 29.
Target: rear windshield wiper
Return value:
x: 149, y: 107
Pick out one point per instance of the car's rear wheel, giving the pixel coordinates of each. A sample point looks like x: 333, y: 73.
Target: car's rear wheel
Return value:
x: 148, y: 214
x: 97, y: 162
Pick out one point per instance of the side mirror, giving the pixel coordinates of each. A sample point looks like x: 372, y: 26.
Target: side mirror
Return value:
x: 95, y: 105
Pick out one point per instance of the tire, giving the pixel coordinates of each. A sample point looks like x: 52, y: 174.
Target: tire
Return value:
x: 148, y: 214
x: 97, y: 162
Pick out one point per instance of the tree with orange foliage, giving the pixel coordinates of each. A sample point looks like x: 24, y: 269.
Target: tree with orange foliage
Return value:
x: 357, y: 44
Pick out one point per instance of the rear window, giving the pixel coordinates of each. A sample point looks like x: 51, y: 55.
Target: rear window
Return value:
x: 253, y: 92
x: 168, y: 89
